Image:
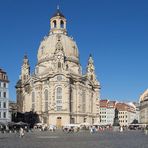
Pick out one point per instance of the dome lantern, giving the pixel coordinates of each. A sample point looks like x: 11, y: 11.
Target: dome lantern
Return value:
x: 58, y: 37
x: 58, y: 23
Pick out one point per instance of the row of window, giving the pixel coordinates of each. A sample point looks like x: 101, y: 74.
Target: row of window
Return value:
x: 103, y: 116
x: 103, y: 120
x: 3, y: 114
x: 3, y: 94
x: 102, y: 112
x: 110, y: 117
x: 3, y: 105
x: 59, y: 100
x: 103, y: 109
x: 55, y: 24
x: 3, y: 84
x: 121, y: 112
x: 122, y: 121
x: 123, y: 116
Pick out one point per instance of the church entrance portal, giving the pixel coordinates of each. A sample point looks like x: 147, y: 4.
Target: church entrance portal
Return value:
x: 58, y: 124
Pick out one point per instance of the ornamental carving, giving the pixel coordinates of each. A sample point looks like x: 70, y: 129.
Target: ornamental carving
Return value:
x: 59, y: 46
x: 38, y: 87
x: 58, y: 37
x: 27, y: 89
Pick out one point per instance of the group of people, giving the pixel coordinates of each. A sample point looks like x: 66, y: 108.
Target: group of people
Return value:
x: 45, y: 127
x: 92, y: 129
x: 68, y: 129
x: 71, y: 129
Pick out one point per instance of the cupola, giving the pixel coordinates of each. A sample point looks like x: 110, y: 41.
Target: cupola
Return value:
x: 58, y: 23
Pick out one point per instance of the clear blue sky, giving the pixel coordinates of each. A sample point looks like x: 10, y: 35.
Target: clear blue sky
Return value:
x: 114, y: 31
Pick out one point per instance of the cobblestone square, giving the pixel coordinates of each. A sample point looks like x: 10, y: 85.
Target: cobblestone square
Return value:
x: 58, y: 139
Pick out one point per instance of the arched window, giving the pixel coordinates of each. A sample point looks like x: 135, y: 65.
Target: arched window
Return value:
x: 59, y: 65
x: 91, y: 102
x: 83, y: 101
x: 59, y: 93
x: 54, y: 24
x: 46, y: 100
x: 33, y: 100
x: 59, y: 98
x: 62, y: 24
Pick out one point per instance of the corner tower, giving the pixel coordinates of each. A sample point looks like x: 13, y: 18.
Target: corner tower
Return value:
x: 25, y: 72
x: 90, y: 72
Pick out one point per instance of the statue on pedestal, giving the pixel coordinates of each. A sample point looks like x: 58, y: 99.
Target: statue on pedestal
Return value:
x: 116, y: 119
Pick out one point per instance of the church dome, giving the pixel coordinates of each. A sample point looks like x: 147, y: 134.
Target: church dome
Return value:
x: 48, y: 46
x: 58, y: 33
x: 144, y: 96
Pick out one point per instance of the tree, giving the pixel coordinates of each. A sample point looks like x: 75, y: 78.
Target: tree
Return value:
x: 31, y: 118
x: 28, y: 117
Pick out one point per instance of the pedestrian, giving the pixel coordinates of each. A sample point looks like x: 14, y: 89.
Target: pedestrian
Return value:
x: 146, y: 130
x: 21, y: 131
x: 121, y: 129
x: 91, y: 130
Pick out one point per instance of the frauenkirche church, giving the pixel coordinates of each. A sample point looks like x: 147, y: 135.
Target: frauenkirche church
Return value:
x: 58, y: 91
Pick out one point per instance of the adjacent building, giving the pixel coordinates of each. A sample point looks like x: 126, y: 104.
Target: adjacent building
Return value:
x: 107, y: 112
x: 144, y: 107
x: 12, y: 109
x: 4, y: 97
x: 127, y: 112
x: 136, y: 106
x: 103, y: 111
x: 111, y: 105
x: 58, y: 90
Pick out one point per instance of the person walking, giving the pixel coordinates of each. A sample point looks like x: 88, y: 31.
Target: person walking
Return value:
x: 121, y: 129
x: 21, y: 131
x: 91, y: 130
